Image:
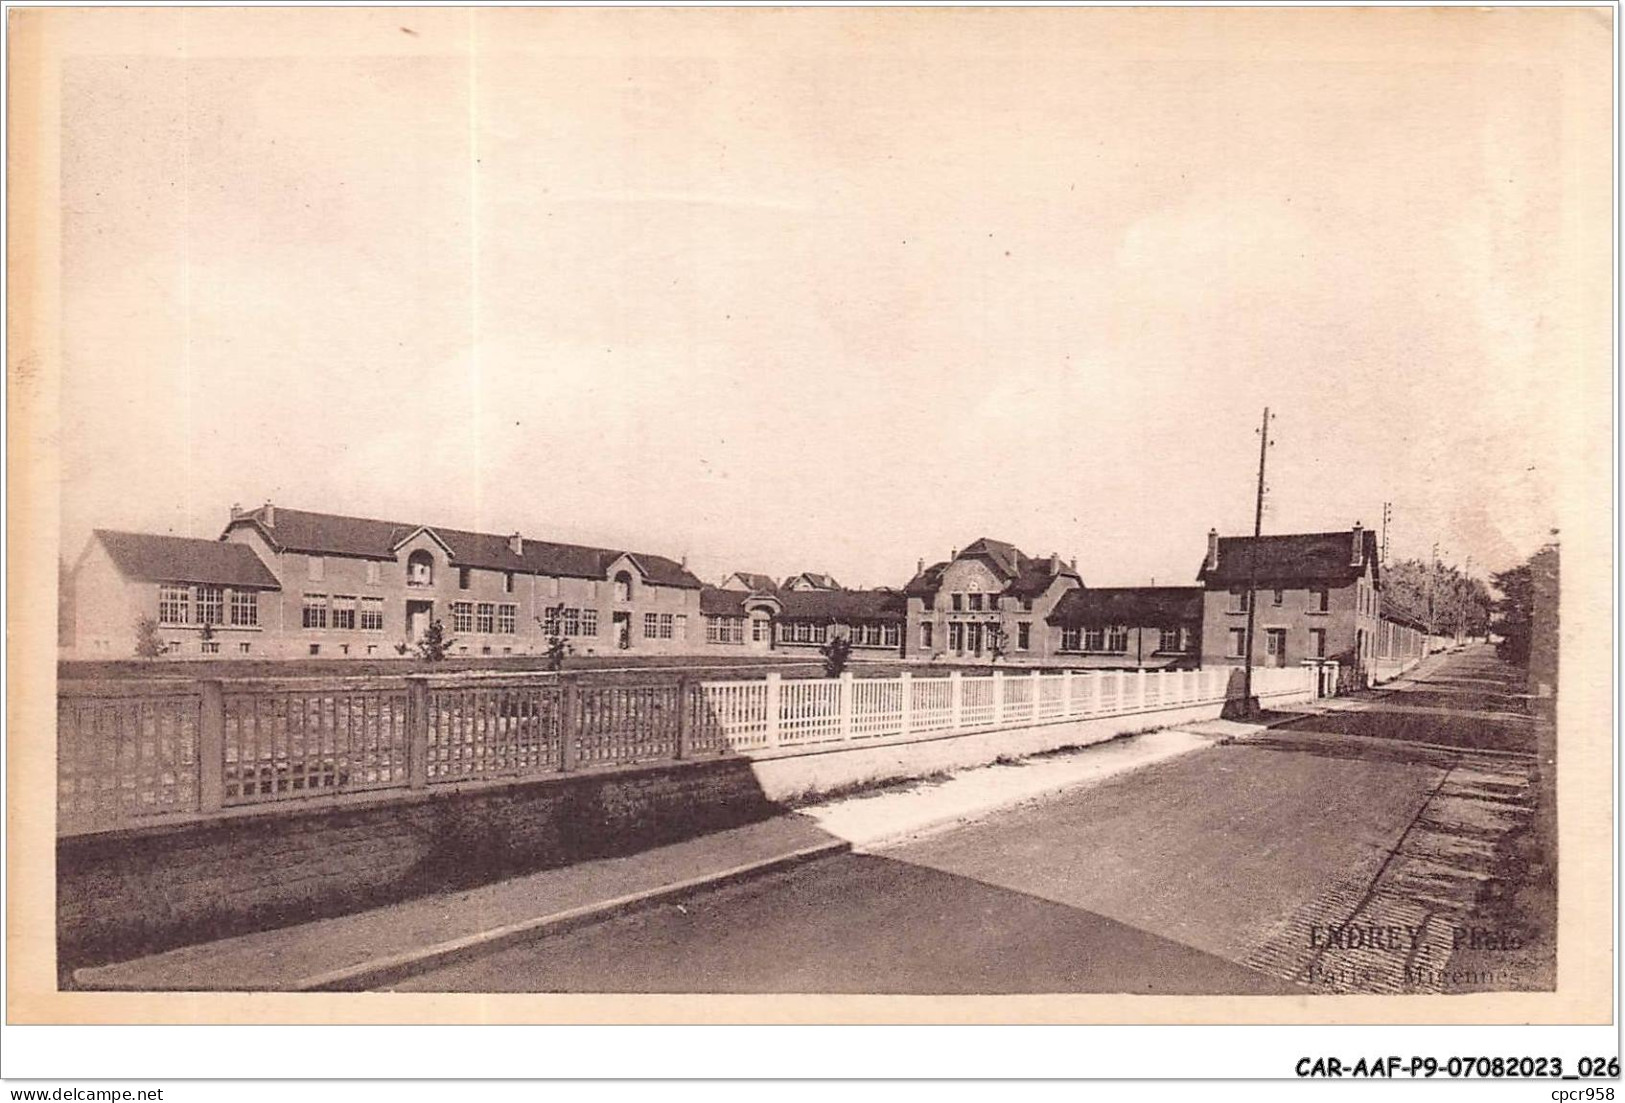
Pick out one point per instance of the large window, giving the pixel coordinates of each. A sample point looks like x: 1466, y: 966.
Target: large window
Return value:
x: 589, y: 622
x: 1094, y: 639
x: 665, y: 626
x: 651, y: 626
x: 174, y: 604
x: 485, y: 617
x: 343, y: 610
x: 680, y: 626
x: 506, y: 615
x: 623, y: 587
x: 956, y: 637
x: 372, y: 614
x: 1173, y: 639
x: 760, y: 629
x: 958, y: 602
x: 245, y: 609
x: 724, y: 629
x: 891, y: 635
x: 572, y: 621
x: 1117, y: 639
x: 976, y: 603
x: 462, y: 616
x: 211, y: 605
x: 1071, y: 639
x: 315, y: 611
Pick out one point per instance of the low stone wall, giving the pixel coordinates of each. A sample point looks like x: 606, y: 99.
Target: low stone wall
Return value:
x: 124, y: 893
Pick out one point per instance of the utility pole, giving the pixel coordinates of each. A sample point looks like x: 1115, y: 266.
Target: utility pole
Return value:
x: 1387, y: 515
x: 1252, y: 566
x: 1433, y: 576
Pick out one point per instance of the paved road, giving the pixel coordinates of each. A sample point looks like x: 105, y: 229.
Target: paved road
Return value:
x: 1216, y: 872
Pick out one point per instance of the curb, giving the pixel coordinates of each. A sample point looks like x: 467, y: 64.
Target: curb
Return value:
x: 394, y: 967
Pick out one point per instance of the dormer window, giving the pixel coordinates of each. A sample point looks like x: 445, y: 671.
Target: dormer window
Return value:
x: 623, y: 586
x: 420, y: 569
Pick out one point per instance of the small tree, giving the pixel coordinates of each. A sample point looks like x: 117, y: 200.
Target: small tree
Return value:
x: 148, y: 644
x: 836, y: 651
x: 998, y: 640
x: 434, y: 645
x: 558, y: 645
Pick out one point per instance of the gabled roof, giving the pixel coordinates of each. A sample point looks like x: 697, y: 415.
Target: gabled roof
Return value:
x: 927, y: 582
x: 330, y: 534
x: 1294, y: 557
x: 153, y: 558
x: 844, y: 605
x: 1036, y: 576
x: 813, y: 579
x: 1133, y: 606
x: 757, y: 583
x: 1007, y: 560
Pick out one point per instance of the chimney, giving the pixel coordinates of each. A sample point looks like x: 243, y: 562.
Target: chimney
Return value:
x: 1212, y: 549
x: 683, y: 562
x: 1357, y: 552
x: 236, y: 510
x: 1074, y: 564
x: 1054, y: 563
x: 269, y: 515
x: 516, y: 544
x: 953, y: 554
x: 919, y: 568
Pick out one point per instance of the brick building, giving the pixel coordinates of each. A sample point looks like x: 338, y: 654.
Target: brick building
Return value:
x: 1319, y: 596
x: 991, y: 596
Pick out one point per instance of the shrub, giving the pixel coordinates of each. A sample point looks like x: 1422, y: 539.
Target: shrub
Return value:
x: 836, y: 651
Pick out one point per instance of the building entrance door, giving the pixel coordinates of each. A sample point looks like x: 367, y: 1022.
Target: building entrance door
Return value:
x: 418, y: 616
x: 1275, y: 647
x: 623, y: 630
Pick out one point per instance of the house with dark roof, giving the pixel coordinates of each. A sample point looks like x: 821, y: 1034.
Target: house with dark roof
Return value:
x: 750, y: 582
x: 1318, y: 597
x: 989, y: 602
x: 1128, y: 627
x: 203, y: 598
x: 872, y: 619
x: 738, y: 619
x: 355, y: 586
x: 810, y: 580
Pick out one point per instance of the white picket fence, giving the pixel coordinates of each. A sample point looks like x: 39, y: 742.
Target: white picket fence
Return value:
x: 771, y: 714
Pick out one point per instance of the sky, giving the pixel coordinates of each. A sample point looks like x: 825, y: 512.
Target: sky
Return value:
x: 834, y: 291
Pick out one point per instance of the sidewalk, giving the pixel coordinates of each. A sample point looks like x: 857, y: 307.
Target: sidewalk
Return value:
x: 377, y: 947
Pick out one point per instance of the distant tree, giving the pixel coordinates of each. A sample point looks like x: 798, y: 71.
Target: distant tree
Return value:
x: 1528, y: 594
x: 836, y: 651
x: 435, y: 646
x: 148, y: 644
x: 558, y: 645
x: 1436, y: 594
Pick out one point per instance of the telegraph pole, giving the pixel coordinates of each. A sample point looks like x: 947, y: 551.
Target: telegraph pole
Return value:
x: 1433, y: 578
x: 1387, y: 515
x: 1252, y: 566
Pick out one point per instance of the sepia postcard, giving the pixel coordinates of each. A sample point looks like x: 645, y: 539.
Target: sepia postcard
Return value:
x: 787, y: 515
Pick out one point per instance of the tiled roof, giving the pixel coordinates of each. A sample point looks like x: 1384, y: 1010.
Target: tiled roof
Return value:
x: 717, y: 602
x: 1295, y: 557
x: 330, y: 534
x: 1134, y: 606
x: 927, y: 582
x: 153, y: 558
x: 759, y: 583
x: 1036, y: 576
x: 1007, y: 560
x: 844, y: 605
x: 814, y: 579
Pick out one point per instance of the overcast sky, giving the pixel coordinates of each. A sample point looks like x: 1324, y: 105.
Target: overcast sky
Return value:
x: 822, y: 290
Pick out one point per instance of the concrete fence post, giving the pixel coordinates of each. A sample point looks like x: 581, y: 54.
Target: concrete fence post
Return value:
x: 1066, y: 693
x: 569, y: 722
x: 906, y: 680
x: 685, y: 720
x: 846, y: 705
x: 211, y: 747
x: 998, y: 698
x: 956, y: 700
x: 1038, y: 693
x: 774, y: 699
x: 417, y: 732
x: 1140, y: 696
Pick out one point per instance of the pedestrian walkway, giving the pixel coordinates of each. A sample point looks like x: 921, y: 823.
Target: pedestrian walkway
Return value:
x: 375, y: 947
